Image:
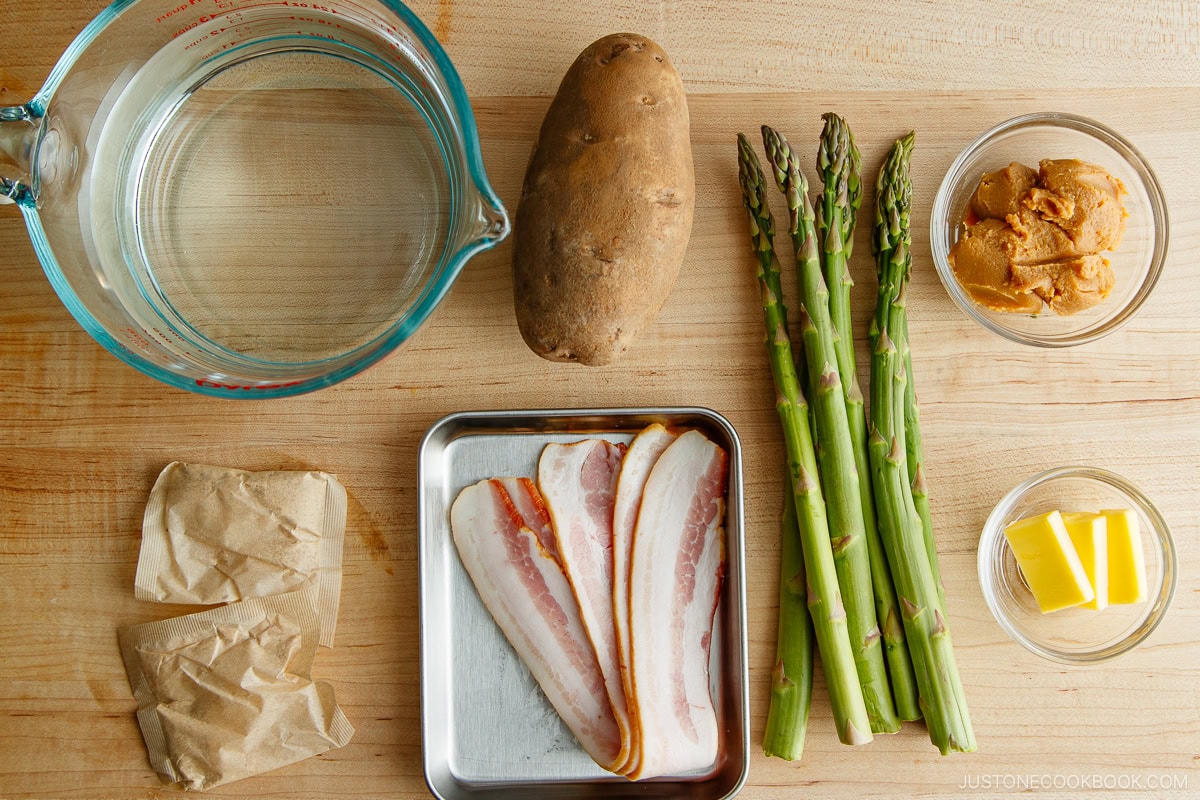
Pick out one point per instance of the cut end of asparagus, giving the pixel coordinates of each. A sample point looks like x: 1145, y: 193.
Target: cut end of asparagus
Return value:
x: 853, y: 736
x: 955, y: 746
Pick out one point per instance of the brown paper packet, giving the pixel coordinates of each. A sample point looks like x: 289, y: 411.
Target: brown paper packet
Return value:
x: 227, y: 693
x: 218, y: 535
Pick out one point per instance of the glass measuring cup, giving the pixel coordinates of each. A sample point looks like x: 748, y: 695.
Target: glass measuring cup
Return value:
x: 251, y: 198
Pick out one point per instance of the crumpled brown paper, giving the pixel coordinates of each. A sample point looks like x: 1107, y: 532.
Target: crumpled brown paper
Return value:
x: 218, y: 535
x: 227, y: 693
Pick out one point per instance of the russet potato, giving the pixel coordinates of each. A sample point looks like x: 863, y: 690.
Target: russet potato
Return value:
x: 607, y: 204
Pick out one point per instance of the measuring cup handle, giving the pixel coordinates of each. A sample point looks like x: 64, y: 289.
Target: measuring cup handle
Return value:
x: 18, y: 138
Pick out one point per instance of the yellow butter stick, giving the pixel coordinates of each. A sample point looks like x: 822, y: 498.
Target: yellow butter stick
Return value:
x: 1126, y: 562
x: 1048, y: 561
x: 1089, y: 535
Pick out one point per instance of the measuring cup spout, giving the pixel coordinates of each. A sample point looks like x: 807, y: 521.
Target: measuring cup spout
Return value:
x: 491, y: 224
x: 19, y: 129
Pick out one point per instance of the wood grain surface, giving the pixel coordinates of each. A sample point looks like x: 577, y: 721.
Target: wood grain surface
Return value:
x: 83, y: 436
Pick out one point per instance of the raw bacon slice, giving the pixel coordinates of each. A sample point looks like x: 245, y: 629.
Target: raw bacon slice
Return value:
x: 675, y: 579
x: 529, y: 597
x: 579, y: 484
x: 643, y: 452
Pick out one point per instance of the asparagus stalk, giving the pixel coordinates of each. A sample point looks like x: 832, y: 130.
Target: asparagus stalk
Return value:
x: 915, y: 455
x: 840, y: 166
x: 824, y: 598
x: 942, y: 697
x: 791, y: 681
x: 835, y: 450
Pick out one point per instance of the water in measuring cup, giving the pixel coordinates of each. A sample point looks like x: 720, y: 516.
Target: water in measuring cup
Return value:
x: 286, y: 207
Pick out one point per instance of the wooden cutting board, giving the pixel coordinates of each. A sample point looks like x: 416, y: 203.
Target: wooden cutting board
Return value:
x: 84, y: 437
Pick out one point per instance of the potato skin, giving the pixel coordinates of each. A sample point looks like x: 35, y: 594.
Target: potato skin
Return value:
x: 607, y: 204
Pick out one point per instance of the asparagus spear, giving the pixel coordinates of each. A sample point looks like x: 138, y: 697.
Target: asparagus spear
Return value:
x: 942, y: 697
x: 824, y: 598
x: 835, y: 450
x: 840, y: 166
x: 791, y: 681
x: 914, y: 455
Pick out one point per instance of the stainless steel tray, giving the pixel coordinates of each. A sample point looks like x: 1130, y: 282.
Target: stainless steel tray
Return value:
x: 487, y: 729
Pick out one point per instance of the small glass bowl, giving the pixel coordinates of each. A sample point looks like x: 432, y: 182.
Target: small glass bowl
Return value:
x: 1137, y: 262
x: 1075, y: 635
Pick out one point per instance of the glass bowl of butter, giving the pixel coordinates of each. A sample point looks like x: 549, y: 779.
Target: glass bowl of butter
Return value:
x: 1077, y: 565
x: 1050, y: 230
